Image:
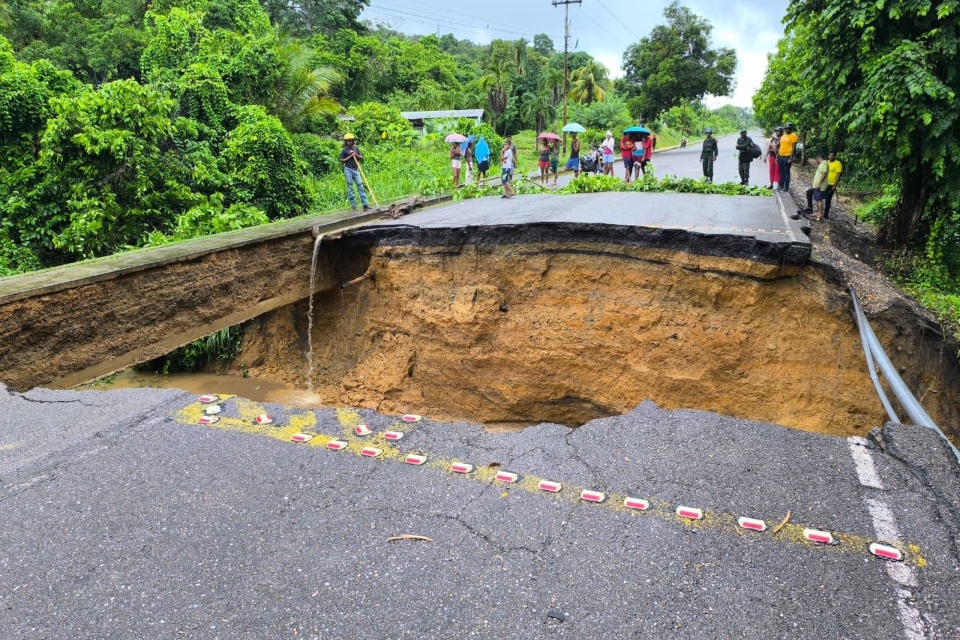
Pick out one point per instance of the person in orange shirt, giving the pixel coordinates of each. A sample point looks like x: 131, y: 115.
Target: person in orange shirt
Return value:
x: 788, y: 143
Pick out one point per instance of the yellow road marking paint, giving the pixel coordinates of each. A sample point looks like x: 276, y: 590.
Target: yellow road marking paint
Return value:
x: 661, y: 509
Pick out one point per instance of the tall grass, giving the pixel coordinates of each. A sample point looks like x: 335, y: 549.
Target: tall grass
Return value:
x: 392, y: 174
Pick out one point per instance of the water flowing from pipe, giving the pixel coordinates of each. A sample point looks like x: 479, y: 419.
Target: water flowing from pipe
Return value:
x: 313, y: 275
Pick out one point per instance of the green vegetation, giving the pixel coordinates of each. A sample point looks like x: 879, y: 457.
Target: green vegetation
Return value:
x: 886, y: 100
x: 595, y: 184
x: 126, y: 125
x: 675, y: 64
x: 220, y: 347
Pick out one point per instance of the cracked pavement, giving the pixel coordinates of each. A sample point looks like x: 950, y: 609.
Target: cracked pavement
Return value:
x: 117, y: 521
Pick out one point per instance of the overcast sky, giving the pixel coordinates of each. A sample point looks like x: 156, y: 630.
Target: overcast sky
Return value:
x: 602, y: 28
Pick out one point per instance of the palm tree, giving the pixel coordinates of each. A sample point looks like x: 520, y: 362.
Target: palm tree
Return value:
x: 536, y: 108
x: 302, y: 92
x: 551, y: 81
x: 520, y: 56
x: 494, y: 82
x: 590, y: 83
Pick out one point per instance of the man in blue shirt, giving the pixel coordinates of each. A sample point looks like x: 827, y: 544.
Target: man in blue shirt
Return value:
x: 351, y: 171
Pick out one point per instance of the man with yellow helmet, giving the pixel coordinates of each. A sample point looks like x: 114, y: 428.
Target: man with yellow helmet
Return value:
x: 350, y: 156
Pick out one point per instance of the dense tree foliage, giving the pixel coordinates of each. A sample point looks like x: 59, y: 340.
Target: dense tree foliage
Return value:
x: 887, y: 95
x: 125, y: 123
x: 675, y: 63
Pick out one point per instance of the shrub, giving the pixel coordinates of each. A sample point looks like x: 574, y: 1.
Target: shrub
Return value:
x: 321, y: 155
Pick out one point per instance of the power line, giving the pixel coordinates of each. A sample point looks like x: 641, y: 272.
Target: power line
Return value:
x: 609, y: 33
x: 508, y: 25
x: 433, y: 20
x: 615, y: 16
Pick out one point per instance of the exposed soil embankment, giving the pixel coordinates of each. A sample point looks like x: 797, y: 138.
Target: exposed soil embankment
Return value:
x: 566, y: 332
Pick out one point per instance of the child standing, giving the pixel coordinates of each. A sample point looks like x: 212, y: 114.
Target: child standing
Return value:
x: 554, y: 160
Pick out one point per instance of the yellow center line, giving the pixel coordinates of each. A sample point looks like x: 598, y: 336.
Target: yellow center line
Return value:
x: 660, y: 509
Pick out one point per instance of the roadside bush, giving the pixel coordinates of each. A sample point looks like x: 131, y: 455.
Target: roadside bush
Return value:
x: 877, y: 210
x: 263, y: 165
x: 321, y: 155
x: 375, y: 122
x: 16, y: 259
x: 221, y: 347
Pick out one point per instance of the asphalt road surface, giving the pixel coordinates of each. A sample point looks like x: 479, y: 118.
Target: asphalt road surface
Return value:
x: 685, y: 163
x: 120, y: 517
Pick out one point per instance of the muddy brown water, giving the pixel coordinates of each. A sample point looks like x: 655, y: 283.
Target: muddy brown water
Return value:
x: 511, y: 336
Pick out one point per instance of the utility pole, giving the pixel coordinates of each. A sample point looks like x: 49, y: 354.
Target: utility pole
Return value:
x: 566, y: 56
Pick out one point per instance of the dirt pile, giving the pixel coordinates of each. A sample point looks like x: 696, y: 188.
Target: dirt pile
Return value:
x: 514, y: 335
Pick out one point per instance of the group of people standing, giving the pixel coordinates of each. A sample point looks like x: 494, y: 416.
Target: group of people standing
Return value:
x: 779, y: 157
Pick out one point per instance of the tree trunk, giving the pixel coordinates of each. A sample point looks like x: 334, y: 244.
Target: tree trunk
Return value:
x: 907, y: 227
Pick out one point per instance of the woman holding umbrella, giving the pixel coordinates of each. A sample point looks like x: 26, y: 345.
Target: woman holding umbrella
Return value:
x: 551, y: 142
x: 456, y: 155
x: 573, y: 164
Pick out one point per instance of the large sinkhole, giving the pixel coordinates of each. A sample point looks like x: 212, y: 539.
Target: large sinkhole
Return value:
x: 518, y: 334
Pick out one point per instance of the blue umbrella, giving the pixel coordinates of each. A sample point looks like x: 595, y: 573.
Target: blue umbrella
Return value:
x: 465, y: 143
x: 641, y: 130
x: 574, y: 127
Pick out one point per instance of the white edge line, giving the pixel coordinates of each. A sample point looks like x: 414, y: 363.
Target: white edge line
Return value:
x: 866, y: 471
x: 783, y: 214
x: 885, y: 526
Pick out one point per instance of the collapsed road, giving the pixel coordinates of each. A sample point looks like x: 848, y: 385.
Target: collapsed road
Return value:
x: 122, y: 517
x: 146, y: 513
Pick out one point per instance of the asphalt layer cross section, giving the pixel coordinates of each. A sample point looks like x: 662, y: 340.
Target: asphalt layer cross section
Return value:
x: 753, y: 227
x: 139, y: 523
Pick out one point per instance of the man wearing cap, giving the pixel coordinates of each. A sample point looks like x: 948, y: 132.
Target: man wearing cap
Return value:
x: 351, y: 171
x: 745, y: 157
x: 709, y: 154
x: 788, y: 142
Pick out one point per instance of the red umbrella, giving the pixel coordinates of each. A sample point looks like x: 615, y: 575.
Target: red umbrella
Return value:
x: 548, y: 136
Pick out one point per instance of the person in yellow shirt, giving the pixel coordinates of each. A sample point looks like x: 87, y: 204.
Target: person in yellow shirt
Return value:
x: 788, y: 142
x: 833, y: 180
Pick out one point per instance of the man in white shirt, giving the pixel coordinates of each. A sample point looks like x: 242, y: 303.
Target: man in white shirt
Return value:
x: 508, y: 160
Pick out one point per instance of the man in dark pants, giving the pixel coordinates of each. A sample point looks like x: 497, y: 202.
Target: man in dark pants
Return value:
x: 744, y: 144
x: 709, y: 154
x: 833, y: 181
x: 788, y: 142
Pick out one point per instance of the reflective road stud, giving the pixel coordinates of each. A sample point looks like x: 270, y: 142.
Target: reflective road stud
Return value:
x: 823, y: 537
x: 411, y: 417
x: 592, y: 496
x: 263, y: 419
x: 393, y: 436
x: 461, y: 467
x: 636, y: 503
x: 549, y: 485
x: 370, y: 452
x: 886, y: 551
x: 208, y: 419
x: 752, y: 524
x: 690, y: 512
x: 415, y: 459
x: 208, y: 399
x: 336, y: 445
x: 506, y: 476
x: 302, y: 437
x: 212, y: 410
x: 362, y: 430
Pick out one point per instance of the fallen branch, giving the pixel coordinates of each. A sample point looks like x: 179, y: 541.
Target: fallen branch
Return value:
x: 777, y: 528
x: 409, y: 536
